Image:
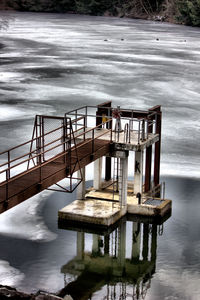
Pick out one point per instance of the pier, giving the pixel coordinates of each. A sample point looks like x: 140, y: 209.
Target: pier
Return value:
x: 62, y: 147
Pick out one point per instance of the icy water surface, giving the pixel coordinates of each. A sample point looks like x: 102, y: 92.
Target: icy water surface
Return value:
x: 50, y: 63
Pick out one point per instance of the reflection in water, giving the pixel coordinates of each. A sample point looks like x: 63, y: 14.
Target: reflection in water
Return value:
x: 105, y: 272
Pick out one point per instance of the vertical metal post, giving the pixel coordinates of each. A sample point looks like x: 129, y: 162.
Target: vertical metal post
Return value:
x: 148, y: 158
x: 8, y: 164
x: 92, y: 141
x: 157, y: 148
x: 76, y: 112
x: 7, y: 178
x: 40, y: 147
x: 86, y: 112
x: 42, y: 138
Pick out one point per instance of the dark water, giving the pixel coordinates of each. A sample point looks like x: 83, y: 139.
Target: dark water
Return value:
x: 52, y: 63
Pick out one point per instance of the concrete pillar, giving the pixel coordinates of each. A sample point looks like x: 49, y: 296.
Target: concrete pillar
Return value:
x: 122, y: 245
x: 148, y: 168
x: 107, y: 244
x: 97, y: 173
x: 123, y: 177
x: 154, y: 242
x: 138, y: 172
x: 95, y: 244
x: 136, y: 241
x: 80, y: 191
x: 145, y: 249
x: 80, y: 245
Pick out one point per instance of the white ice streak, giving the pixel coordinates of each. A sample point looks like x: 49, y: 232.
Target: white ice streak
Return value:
x: 10, y: 112
x: 186, y: 283
x: 9, y: 275
x: 30, y: 224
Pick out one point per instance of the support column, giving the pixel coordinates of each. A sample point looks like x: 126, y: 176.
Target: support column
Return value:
x: 136, y: 241
x: 97, y: 173
x: 122, y: 245
x: 80, y: 245
x: 157, y: 148
x: 107, y: 244
x: 80, y: 191
x: 148, y: 169
x: 154, y: 242
x: 108, y: 168
x: 145, y: 249
x: 138, y: 172
x: 95, y: 245
x: 123, y: 177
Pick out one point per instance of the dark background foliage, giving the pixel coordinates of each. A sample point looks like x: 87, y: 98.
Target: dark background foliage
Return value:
x: 181, y: 11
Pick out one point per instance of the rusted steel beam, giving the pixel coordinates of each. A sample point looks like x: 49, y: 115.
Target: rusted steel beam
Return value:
x: 148, y: 169
x: 148, y: 163
x: 134, y: 114
x: 157, y: 147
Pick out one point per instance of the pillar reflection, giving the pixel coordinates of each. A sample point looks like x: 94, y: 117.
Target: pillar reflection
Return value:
x: 119, y: 265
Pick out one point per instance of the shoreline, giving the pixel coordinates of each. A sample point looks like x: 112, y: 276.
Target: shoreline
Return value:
x: 11, y: 293
x: 156, y: 17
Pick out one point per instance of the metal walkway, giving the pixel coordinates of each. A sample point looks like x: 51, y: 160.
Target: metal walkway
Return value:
x: 50, y: 156
x: 60, y: 146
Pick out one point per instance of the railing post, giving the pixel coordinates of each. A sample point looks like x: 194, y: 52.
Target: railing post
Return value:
x: 7, y: 178
x: 86, y: 112
x: 8, y: 165
x: 76, y: 119
x: 92, y: 141
x: 84, y: 125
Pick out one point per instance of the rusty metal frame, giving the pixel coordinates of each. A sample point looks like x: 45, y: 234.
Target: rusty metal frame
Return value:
x: 73, y: 138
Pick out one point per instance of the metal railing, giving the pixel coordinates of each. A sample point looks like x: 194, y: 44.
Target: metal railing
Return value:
x: 36, y: 155
x: 142, y: 128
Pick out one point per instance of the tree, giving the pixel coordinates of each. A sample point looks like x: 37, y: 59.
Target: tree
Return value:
x: 189, y: 12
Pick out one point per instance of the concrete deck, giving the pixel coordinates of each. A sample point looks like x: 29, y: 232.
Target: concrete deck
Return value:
x: 99, y: 208
x: 92, y: 211
x: 120, y: 143
x: 158, y: 207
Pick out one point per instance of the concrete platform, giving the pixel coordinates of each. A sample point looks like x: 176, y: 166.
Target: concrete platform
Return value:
x: 92, y: 211
x: 148, y: 207
x: 99, y: 209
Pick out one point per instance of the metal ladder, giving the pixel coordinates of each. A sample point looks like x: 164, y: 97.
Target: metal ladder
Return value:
x: 117, y: 178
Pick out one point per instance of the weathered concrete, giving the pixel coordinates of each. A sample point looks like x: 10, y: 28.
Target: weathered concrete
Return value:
x: 99, y: 208
x: 138, y: 172
x: 80, y: 191
x: 123, y: 174
x: 92, y: 211
x: 132, y: 203
x: 97, y: 173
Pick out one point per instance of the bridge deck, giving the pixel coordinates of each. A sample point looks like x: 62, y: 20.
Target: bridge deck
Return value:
x: 40, y: 177
x: 61, y: 146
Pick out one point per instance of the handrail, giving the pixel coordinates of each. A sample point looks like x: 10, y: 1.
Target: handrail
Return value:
x: 30, y: 141
x: 50, y: 149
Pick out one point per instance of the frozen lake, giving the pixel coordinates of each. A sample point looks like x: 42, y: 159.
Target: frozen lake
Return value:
x: 51, y: 63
